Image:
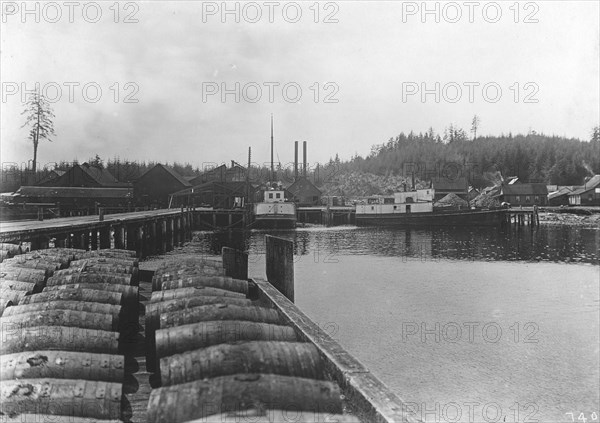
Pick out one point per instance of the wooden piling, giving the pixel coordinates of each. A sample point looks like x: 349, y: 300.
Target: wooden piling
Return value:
x: 280, y: 264
x: 104, y: 237
x: 131, y: 237
x: 235, y: 263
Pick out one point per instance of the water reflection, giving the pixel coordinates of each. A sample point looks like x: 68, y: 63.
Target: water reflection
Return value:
x: 544, y: 244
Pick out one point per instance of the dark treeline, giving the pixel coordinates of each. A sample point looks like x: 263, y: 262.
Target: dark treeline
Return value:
x: 532, y: 157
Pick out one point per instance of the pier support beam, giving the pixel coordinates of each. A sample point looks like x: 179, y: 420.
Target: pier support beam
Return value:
x: 94, y: 239
x: 120, y: 237
x: 104, y: 237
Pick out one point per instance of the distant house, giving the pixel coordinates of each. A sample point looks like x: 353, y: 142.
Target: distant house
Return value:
x: 156, y: 184
x: 588, y: 194
x: 445, y: 186
x: 524, y: 194
x: 559, y: 196
x: 304, y: 192
x: 235, y: 173
x: 85, y: 175
x: 219, y: 195
x: 78, y: 200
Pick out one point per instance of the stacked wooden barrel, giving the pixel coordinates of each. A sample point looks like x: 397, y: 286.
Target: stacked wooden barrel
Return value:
x: 222, y: 357
x: 62, y: 344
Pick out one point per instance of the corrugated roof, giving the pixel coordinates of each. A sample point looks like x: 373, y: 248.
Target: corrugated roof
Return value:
x: 73, y: 192
x: 525, y: 189
x: 559, y: 192
x: 591, y: 184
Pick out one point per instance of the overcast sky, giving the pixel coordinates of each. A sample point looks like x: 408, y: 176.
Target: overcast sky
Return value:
x: 360, y: 75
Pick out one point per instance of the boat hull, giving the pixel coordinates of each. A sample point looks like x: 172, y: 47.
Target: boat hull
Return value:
x: 275, y: 222
x: 454, y: 218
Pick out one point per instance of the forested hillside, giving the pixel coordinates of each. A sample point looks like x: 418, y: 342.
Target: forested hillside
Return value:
x: 532, y: 157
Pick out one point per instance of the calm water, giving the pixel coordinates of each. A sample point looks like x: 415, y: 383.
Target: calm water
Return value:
x: 468, y: 325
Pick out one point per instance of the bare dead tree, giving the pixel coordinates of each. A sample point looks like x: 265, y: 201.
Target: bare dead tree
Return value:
x: 475, y: 125
x: 39, y: 119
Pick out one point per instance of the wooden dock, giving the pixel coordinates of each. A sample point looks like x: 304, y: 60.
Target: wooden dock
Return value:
x: 225, y: 348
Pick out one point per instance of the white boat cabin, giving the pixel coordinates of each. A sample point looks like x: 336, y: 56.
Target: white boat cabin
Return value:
x: 274, y: 196
x: 419, y: 201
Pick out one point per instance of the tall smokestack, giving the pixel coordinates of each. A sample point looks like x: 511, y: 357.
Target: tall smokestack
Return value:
x: 295, y: 160
x: 272, y: 177
x: 304, y: 159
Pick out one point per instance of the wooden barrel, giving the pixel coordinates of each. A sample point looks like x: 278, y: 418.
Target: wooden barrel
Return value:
x: 201, y: 335
x: 71, y: 318
x: 11, y: 249
x: 90, y: 277
x: 198, y: 291
x: 202, y: 398
x: 107, y: 258
x: 62, y: 365
x: 174, y: 264
x: 220, y: 282
x: 93, y: 268
x: 4, y: 304
x: 185, y: 273
x: 23, y: 274
x: 218, y: 312
x: 123, y: 266
x: 62, y: 259
x: 90, y: 307
x: 45, y: 418
x: 12, y: 295
x: 213, y: 312
x: 154, y: 310
x: 112, y: 252
x: 277, y: 416
x: 89, y: 295
x: 37, y: 264
x: 59, y: 338
x: 31, y: 287
x: 299, y: 359
x: 68, y: 397
x: 129, y: 294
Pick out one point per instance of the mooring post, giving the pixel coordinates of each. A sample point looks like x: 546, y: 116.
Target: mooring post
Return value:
x: 280, y: 264
x: 235, y: 263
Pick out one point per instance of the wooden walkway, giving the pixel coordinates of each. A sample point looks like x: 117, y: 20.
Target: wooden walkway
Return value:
x: 14, y: 229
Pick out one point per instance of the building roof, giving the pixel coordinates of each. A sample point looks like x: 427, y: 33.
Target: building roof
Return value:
x: 454, y: 184
x: 560, y: 192
x: 302, y: 184
x: 170, y: 171
x: 525, y: 189
x: 50, y: 176
x: 73, y: 192
x: 100, y: 175
x: 591, y: 184
x: 232, y: 187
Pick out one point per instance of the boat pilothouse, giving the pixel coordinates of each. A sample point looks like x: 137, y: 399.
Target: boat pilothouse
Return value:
x: 274, y: 211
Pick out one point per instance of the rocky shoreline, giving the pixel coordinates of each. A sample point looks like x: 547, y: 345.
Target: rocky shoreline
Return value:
x: 548, y: 217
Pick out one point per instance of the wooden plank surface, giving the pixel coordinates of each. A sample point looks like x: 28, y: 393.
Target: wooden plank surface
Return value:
x: 25, y: 227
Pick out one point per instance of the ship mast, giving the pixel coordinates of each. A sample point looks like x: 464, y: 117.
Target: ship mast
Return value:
x: 272, y: 168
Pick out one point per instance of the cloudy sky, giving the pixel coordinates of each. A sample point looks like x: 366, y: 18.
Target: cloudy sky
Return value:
x: 183, y: 81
